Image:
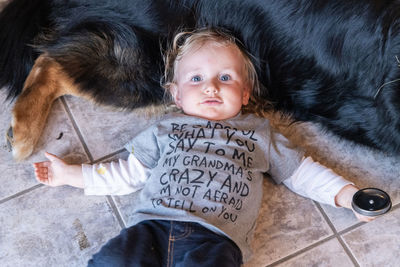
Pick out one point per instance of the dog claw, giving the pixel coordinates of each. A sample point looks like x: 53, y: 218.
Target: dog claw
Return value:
x: 10, y: 139
x: 20, y: 149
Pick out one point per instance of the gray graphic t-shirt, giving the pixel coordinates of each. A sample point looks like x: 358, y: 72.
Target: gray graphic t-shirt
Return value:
x: 210, y: 172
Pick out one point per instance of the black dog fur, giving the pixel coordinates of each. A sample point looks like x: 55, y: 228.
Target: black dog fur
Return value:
x: 332, y: 62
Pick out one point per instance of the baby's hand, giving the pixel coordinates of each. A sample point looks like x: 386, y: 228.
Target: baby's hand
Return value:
x: 344, y: 199
x: 56, y: 172
x: 50, y: 172
x: 362, y: 217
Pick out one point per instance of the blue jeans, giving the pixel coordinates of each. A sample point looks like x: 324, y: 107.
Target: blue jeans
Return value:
x: 168, y: 243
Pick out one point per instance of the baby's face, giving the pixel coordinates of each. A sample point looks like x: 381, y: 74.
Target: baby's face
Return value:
x: 211, y: 82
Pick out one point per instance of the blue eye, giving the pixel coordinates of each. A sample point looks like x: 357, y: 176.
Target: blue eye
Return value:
x: 196, y: 78
x: 225, y: 77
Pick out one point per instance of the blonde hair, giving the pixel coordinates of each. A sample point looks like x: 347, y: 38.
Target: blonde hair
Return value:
x: 188, y: 40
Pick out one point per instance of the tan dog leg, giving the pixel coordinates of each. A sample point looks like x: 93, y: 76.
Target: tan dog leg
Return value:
x: 45, y: 83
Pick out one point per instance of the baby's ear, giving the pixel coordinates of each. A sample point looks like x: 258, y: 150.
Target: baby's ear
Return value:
x: 246, y: 96
x: 173, y: 88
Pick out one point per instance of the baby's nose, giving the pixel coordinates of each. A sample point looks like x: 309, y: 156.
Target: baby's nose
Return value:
x: 211, y: 88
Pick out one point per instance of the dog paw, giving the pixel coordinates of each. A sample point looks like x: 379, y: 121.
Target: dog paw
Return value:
x: 21, y: 147
x: 9, y: 139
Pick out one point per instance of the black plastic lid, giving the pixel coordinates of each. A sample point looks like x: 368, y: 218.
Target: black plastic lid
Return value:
x: 371, y: 202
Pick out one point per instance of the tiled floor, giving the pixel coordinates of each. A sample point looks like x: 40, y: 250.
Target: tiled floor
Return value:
x: 43, y: 226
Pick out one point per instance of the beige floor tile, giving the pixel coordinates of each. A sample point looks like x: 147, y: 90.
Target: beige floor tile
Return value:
x: 287, y: 223
x: 328, y: 254
x: 15, y: 178
x: 54, y: 227
x: 377, y: 243
x: 341, y: 218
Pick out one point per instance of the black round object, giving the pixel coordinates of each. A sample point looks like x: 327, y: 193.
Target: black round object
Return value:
x: 371, y: 202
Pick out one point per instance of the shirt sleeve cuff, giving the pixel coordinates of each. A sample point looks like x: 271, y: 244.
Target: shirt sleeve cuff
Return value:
x: 336, y: 189
x: 88, y: 179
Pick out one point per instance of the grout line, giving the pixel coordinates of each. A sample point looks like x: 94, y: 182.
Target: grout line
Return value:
x: 348, y: 251
x: 338, y: 234
x: 116, y: 212
x: 76, y: 127
x: 110, y: 200
x: 109, y: 156
x: 326, y: 217
x: 23, y: 192
x: 351, y: 228
x: 301, y: 251
x: 335, y: 234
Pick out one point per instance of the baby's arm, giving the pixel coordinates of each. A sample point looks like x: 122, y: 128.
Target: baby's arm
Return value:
x: 56, y: 172
x: 321, y: 184
x: 113, y: 178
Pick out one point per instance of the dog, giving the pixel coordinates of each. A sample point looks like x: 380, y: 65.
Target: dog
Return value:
x: 333, y: 62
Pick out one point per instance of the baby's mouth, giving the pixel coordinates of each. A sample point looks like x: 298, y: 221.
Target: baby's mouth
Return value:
x: 211, y: 101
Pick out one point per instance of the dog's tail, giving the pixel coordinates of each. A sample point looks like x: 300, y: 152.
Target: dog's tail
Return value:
x: 20, y: 22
